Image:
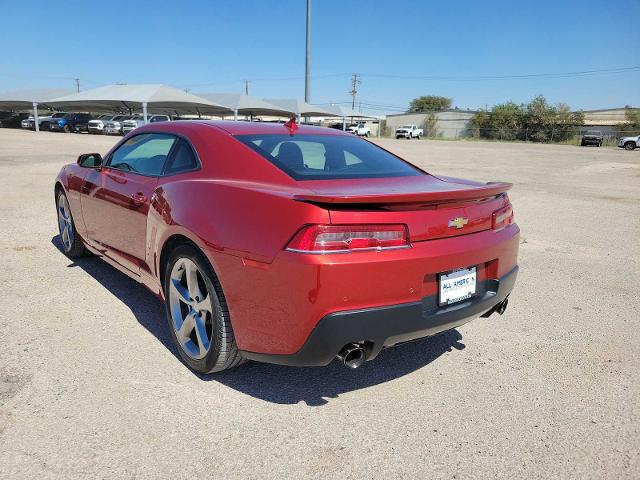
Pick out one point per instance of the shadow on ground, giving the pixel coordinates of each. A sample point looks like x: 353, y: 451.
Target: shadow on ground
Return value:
x: 274, y: 383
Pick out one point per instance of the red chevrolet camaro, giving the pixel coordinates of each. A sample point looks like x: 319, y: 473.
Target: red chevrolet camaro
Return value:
x: 286, y: 244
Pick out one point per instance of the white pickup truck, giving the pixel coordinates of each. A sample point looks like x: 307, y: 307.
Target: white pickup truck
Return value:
x: 360, y: 129
x: 409, y: 132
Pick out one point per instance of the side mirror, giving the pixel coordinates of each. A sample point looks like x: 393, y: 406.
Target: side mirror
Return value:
x: 90, y: 160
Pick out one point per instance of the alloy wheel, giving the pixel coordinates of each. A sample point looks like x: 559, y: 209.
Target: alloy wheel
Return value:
x: 191, y: 308
x: 65, y: 224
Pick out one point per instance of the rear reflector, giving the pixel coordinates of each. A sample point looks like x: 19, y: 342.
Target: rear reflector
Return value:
x: 502, y: 218
x: 348, y: 238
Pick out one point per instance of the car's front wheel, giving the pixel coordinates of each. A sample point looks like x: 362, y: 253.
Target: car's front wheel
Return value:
x: 71, y: 243
x: 630, y: 146
x: 197, y: 313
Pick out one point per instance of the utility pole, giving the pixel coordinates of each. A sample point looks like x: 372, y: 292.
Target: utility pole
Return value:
x: 355, y: 81
x: 246, y: 87
x: 77, y: 85
x: 307, y: 64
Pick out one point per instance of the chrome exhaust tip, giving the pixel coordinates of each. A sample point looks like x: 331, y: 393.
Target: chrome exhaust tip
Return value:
x: 352, y: 356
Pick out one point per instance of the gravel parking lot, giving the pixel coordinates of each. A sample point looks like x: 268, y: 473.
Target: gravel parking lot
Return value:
x: 91, y: 387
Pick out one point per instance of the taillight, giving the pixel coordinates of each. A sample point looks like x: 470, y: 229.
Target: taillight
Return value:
x: 348, y: 238
x: 503, y: 217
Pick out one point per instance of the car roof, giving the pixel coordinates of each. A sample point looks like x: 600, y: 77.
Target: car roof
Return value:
x: 257, y: 128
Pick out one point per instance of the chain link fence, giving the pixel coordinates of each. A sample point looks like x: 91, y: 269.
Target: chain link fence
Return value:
x: 571, y: 135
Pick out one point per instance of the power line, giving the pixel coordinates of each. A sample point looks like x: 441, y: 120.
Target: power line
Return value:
x: 474, y: 78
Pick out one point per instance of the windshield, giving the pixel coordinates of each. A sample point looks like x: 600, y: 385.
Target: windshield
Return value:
x: 406, y: 126
x: 327, y: 157
x: 58, y: 115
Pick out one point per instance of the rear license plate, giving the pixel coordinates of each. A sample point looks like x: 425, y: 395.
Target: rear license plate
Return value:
x: 457, y: 286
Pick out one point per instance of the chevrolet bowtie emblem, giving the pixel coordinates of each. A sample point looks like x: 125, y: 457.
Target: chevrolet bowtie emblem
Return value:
x: 458, y: 222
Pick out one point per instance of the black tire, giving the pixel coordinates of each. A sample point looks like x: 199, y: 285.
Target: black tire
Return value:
x: 397, y: 137
x: 75, y: 248
x: 630, y: 146
x: 582, y: 144
x: 67, y: 129
x: 223, y: 352
x: 366, y: 134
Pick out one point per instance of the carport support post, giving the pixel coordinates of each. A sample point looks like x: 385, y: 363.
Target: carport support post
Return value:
x: 35, y: 117
x: 344, y: 124
x: 144, y: 112
x: 235, y: 115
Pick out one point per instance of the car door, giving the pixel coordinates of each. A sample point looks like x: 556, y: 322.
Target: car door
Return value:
x: 116, y: 198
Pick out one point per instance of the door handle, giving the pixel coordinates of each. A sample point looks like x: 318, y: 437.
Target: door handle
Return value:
x: 138, y: 198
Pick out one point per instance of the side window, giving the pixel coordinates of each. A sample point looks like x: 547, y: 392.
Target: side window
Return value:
x: 182, y: 159
x: 145, y: 153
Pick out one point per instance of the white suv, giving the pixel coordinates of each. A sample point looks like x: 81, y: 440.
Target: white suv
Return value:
x: 138, y: 121
x: 629, y: 143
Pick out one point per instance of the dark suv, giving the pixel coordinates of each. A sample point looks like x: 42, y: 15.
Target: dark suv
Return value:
x: 591, y: 138
x: 69, y: 121
x: 12, y: 120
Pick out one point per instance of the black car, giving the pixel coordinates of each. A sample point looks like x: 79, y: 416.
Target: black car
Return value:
x: 12, y: 119
x: 591, y: 138
x: 69, y: 121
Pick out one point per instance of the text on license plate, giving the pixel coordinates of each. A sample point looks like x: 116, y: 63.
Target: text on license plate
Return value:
x: 457, y: 286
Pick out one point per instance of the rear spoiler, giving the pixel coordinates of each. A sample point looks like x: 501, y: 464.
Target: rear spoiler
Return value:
x: 490, y: 189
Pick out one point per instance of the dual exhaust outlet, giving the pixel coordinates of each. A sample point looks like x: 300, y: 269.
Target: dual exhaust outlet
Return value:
x: 352, y: 356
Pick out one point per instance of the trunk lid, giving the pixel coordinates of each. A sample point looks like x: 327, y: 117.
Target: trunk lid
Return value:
x: 432, y: 207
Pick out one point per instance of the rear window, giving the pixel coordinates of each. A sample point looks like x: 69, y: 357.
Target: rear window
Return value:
x: 328, y: 157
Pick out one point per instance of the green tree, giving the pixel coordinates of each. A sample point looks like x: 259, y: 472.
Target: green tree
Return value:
x: 479, y: 124
x: 430, y: 103
x: 538, y: 119
x: 567, y: 123
x: 632, y: 124
x: 505, y: 121
x: 430, y: 125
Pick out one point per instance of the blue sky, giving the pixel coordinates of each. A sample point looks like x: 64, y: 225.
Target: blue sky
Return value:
x: 211, y: 46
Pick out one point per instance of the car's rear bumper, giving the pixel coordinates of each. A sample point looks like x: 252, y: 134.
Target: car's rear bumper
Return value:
x: 275, y: 307
x: 382, y: 327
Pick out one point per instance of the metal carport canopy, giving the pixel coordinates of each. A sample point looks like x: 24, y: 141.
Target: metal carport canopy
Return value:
x: 152, y: 98
x: 342, y: 111
x: 24, y: 99
x: 300, y: 108
x: 30, y: 99
x: 246, y: 105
